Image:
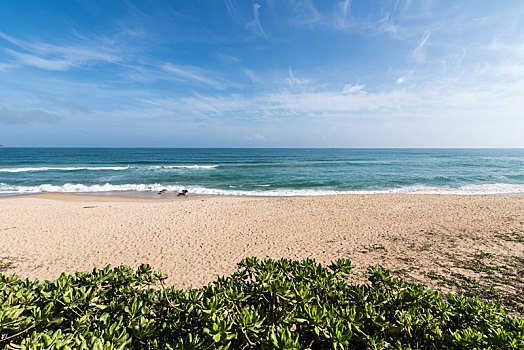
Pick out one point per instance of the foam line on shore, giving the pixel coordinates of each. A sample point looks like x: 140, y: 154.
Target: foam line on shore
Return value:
x: 485, y: 189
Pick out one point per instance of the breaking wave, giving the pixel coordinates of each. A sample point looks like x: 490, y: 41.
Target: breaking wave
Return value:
x: 21, y: 170
x: 484, y: 189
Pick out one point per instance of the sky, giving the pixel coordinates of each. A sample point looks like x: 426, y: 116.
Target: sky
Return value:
x: 266, y: 73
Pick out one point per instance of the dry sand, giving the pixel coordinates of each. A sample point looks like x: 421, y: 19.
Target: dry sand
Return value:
x: 195, y: 240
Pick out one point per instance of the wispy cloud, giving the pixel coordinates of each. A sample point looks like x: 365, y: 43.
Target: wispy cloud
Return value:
x: 44, y: 63
x: 380, y: 21
x: 255, y: 137
x: 228, y: 59
x: 253, y: 76
x: 56, y: 57
x: 193, y: 75
x: 255, y: 25
x: 65, y: 106
x: 10, y: 116
x: 4, y: 67
x: 232, y: 10
x: 417, y: 53
x: 350, y: 89
x: 488, y: 92
x: 295, y: 82
x: 334, y: 62
x: 345, y: 7
x: 304, y: 13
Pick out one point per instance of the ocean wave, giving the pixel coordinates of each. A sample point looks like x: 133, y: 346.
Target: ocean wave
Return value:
x: 21, y: 170
x: 484, y: 189
x: 185, y: 166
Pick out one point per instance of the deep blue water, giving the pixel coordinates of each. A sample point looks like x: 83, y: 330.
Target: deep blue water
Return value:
x: 262, y: 171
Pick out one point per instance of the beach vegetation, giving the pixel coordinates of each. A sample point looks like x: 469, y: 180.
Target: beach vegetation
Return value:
x: 6, y: 263
x: 265, y: 304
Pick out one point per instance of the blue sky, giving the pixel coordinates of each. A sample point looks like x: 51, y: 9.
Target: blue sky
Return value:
x: 274, y: 73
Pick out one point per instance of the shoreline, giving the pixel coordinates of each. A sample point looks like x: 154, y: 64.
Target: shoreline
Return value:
x: 153, y: 195
x: 145, y: 195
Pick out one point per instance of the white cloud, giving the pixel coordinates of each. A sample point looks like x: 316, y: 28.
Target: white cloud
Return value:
x: 193, y: 74
x: 56, y: 57
x: 379, y: 20
x: 488, y: 92
x: 255, y: 25
x: 345, y: 6
x: 5, y: 66
x: 401, y: 79
x: 254, y: 77
x: 25, y: 116
x: 38, y: 62
x: 255, y: 137
x: 417, y: 53
x: 350, y: 89
x: 304, y: 13
x: 294, y: 81
x: 232, y: 11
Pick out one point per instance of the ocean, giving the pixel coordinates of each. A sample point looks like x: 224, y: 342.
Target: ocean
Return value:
x: 261, y: 172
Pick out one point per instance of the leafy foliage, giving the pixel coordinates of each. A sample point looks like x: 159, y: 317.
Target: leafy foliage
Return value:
x: 266, y: 304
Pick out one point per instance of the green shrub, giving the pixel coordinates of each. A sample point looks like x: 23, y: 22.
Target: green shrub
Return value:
x: 264, y: 305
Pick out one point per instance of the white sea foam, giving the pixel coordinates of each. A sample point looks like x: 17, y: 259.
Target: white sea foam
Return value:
x: 188, y: 166
x: 21, y: 170
x: 499, y: 188
x: 72, y: 188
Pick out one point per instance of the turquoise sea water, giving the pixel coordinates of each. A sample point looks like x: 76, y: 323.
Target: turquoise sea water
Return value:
x: 267, y: 172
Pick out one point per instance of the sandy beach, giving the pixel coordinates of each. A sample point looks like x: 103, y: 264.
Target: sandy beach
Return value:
x: 194, y: 240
